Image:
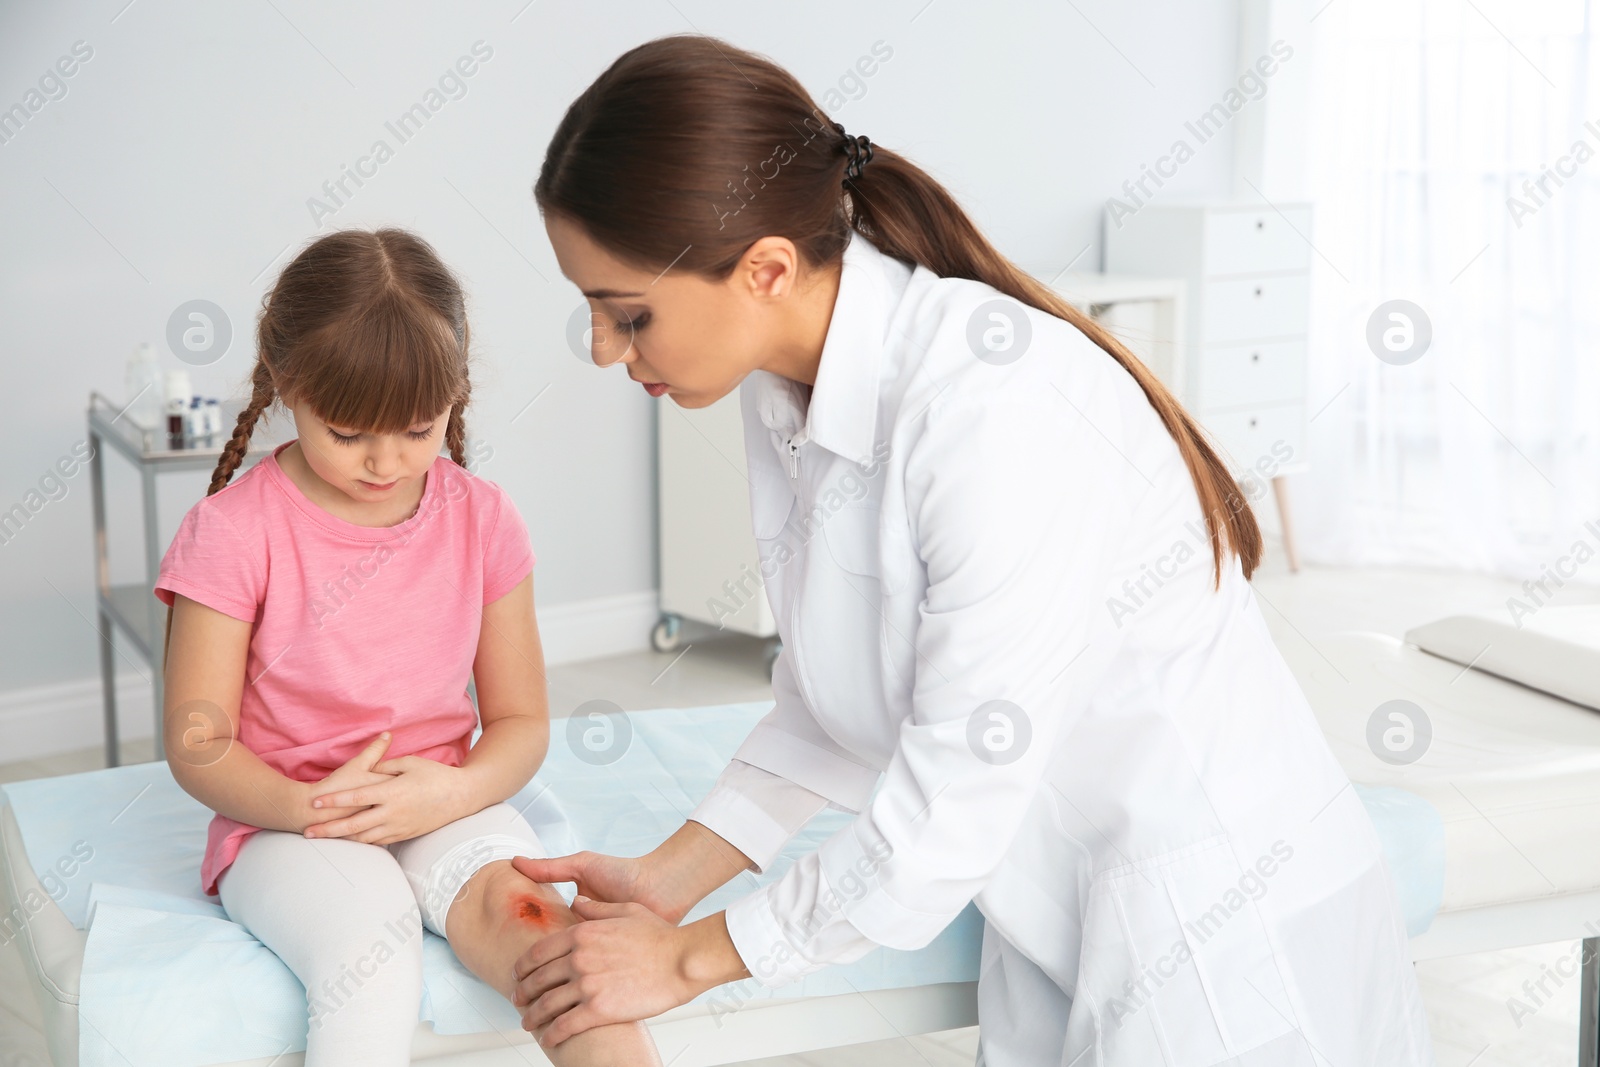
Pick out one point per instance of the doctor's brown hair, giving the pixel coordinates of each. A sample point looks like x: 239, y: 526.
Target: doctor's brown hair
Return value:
x: 370, y: 329
x: 667, y: 160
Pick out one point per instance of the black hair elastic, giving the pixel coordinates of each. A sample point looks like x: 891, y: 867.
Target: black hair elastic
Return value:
x: 859, y: 151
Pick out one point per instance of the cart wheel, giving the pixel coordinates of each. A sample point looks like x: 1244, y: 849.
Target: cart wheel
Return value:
x: 664, y: 637
x: 769, y: 655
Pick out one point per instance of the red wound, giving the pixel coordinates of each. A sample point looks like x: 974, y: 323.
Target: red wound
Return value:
x: 531, y: 910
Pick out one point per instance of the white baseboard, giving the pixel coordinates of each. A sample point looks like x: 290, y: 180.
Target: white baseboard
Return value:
x: 601, y: 626
x: 46, y: 719
x: 65, y: 716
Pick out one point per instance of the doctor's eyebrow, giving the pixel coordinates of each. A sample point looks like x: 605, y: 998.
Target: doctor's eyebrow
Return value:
x: 607, y: 294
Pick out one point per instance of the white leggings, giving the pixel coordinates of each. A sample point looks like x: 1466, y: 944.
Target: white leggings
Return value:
x: 347, y: 918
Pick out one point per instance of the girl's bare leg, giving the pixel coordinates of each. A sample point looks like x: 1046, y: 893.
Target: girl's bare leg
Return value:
x: 495, y: 919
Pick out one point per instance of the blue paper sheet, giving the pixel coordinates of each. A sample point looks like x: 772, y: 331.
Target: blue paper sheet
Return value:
x: 168, y: 979
x: 1413, y: 845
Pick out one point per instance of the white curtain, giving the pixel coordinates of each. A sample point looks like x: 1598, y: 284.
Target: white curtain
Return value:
x: 1428, y: 118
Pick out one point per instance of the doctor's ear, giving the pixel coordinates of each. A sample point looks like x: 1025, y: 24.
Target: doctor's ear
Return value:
x: 770, y: 267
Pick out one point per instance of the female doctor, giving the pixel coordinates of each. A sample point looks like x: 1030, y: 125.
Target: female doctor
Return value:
x: 1019, y: 642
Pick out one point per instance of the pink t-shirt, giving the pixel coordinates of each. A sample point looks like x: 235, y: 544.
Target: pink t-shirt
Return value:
x: 356, y: 629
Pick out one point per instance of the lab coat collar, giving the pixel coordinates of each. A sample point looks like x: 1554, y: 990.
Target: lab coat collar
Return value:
x: 842, y: 416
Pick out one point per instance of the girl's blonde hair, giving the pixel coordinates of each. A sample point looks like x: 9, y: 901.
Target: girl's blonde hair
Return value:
x: 370, y: 329
x: 687, y: 150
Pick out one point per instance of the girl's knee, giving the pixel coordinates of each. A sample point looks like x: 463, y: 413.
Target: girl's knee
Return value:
x: 501, y: 898
x: 499, y: 914
x: 438, y: 865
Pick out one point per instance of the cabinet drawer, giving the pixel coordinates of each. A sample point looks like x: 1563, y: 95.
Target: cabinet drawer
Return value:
x: 1261, y: 439
x: 1253, y: 242
x: 1243, y: 309
x: 1228, y: 376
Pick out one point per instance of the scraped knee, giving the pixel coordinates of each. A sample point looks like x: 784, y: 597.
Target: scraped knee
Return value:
x: 511, y: 902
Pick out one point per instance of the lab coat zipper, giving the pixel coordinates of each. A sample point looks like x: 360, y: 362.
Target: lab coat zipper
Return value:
x: 794, y: 459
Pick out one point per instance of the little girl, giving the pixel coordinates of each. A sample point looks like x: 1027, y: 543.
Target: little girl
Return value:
x: 327, y: 611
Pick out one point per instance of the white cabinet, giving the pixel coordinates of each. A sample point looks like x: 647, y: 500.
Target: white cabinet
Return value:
x: 1256, y: 307
x: 1250, y: 239
x: 1247, y: 269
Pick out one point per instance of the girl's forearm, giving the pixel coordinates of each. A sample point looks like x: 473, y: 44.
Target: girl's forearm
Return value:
x: 508, y: 752
x: 244, y: 788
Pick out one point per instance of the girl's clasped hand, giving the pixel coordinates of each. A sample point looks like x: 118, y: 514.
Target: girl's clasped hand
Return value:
x: 380, y: 801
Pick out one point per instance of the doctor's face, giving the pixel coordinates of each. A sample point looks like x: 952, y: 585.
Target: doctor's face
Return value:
x: 676, y: 333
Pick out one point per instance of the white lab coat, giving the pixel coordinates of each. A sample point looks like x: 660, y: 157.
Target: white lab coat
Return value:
x: 1172, y: 867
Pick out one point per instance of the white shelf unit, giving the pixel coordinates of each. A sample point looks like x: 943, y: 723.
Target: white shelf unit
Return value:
x: 1147, y: 314
x: 1248, y: 272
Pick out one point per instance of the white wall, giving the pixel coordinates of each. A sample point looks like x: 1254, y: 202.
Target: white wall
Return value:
x: 179, y: 163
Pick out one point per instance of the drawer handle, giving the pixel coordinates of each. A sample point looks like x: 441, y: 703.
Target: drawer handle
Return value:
x: 1252, y: 422
x: 1255, y: 357
x: 1258, y: 290
x: 1260, y: 224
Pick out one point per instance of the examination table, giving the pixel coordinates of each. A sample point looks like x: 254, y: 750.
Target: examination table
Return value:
x: 1486, y: 833
x: 133, y: 965
x: 1512, y: 767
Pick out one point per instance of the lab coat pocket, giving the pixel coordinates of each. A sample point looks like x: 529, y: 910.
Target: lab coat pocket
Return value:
x: 852, y: 536
x: 771, y: 501
x: 1176, y: 960
x: 872, y: 555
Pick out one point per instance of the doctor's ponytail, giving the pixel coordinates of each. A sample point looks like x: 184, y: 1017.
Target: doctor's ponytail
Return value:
x: 687, y: 150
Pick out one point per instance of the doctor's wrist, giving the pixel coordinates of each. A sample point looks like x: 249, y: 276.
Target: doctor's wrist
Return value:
x: 687, y: 866
x: 668, y: 883
x: 709, y: 958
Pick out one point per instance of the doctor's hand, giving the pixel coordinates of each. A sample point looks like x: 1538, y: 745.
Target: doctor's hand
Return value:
x: 670, y: 880
x: 608, y: 879
x: 622, y: 964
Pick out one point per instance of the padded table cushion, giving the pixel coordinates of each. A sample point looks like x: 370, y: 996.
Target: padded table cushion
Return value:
x: 1554, y: 650
x: 1513, y: 772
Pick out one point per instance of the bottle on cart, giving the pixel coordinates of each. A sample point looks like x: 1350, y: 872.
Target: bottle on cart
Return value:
x: 213, y: 416
x: 194, y: 426
x: 178, y: 394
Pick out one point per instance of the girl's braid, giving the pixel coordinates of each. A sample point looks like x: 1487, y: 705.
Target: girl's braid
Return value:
x: 233, y: 455
x: 239, y: 444
x: 455, y: 432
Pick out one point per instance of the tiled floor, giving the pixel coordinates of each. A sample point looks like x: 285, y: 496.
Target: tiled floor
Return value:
x: 1468, y: 997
